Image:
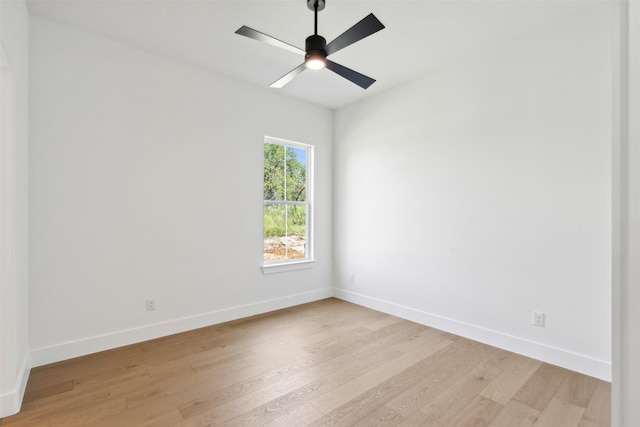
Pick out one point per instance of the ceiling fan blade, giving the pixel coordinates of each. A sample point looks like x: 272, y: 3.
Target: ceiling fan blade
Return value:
x: 288, y: 77
x: 353, y: 76
x: 262, y: 37
x: 369, y: 25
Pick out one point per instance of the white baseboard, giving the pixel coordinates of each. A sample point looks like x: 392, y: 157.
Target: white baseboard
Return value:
x: 557, y: 356
x: 576, y: 362
x: 68, y: 350
x: 10, y: 402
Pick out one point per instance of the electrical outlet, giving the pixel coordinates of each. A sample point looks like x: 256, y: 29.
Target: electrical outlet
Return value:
x: 538, y: 318
x: 151, y: 304
x: 352, y: 278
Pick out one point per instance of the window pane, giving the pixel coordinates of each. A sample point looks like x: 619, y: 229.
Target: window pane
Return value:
x: 296, y: 168
x: 274, y: 232
x: 285, y: 231
x: 274, y: 172
x: 296, y: 231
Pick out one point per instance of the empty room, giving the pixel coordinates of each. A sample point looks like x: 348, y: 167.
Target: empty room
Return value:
x: 322, y: 212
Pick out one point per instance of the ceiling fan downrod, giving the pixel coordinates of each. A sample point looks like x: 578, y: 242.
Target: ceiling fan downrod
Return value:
x: 315, y: 18
x: 315, y: 46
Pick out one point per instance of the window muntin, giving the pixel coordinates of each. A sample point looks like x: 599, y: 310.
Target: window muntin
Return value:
x: 287, y: 202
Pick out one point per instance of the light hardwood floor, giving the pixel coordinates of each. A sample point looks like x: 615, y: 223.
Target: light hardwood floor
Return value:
x: 327, y: 363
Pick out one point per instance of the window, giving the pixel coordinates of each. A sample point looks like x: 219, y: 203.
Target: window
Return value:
x: 287, y: 208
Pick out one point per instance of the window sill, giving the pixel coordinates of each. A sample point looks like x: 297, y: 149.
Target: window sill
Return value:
x: 287, y: 266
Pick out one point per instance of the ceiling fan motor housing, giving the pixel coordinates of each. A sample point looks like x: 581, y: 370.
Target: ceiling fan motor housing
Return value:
x: 315, y: 46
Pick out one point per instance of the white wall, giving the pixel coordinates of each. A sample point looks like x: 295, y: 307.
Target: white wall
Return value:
x: 146, y: 181
x: 482, y: 192
x: 14, y: 351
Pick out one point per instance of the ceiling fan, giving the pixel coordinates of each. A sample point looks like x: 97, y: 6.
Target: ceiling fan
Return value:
x: 317, y: 49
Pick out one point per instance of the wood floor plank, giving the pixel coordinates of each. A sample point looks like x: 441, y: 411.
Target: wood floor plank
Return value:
x: 560, y: 413
x: 151, y: 414
x: 450, y: 402
x: 541, y: 387
x: 314, y: 366
x: 64, y: 381
x: 271, y: 410
x: 422, y: 338
x: 326, y: 363
x: 299, y: 415
x: 77, y: 399
x: 437, y: 379
x: 598, y: 412
x: 381, y: 322
x: 87, y: 414
x: 352, y: 411
x: 47, y: 390
x: 518, y: 371
x: 516, y: 414
x: 156, y: 388
x: 420, y: 419
x: 401, y: 331
x: 215, y: 413
x: 370, y: 379
x: 576, y: 389
x: 479, y: 412
x: 331, y: 369
x: 381, y: 417
x: 351, y: 339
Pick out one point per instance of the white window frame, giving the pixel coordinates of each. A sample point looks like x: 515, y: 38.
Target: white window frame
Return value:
x: 269, y: 267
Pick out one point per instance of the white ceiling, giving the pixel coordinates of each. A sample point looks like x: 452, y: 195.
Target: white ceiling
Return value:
x: 419, y: 35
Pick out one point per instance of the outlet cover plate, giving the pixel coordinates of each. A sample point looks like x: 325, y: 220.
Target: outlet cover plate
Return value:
x: 538, y: 318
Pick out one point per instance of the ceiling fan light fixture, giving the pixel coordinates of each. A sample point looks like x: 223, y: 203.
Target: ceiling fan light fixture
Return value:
x: 315, y: 61
x: 316, y: 55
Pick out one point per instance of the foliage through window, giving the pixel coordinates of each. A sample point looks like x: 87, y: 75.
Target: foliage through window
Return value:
x: 287, y: 201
